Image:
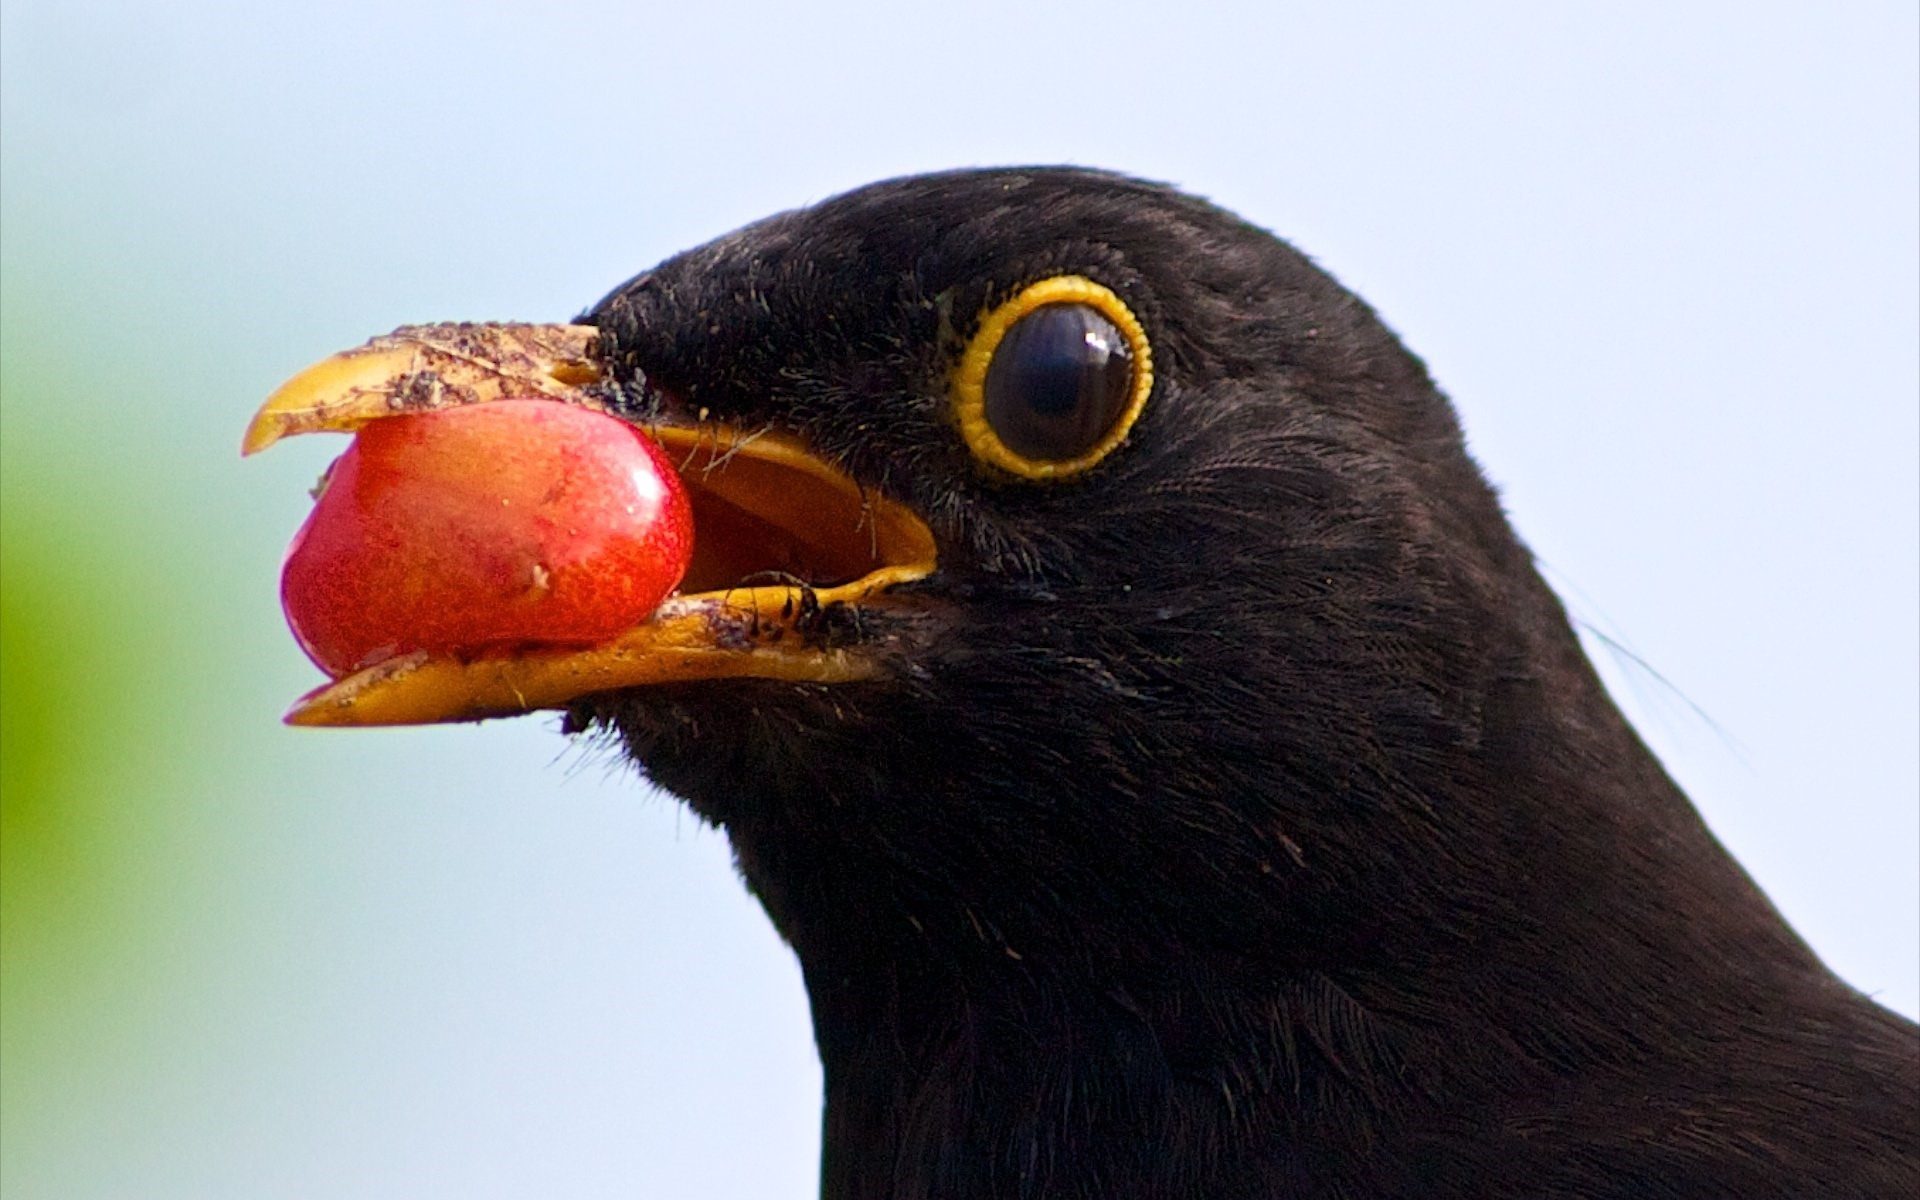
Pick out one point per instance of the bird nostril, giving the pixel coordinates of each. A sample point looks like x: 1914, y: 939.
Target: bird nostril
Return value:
x: 574, y: 374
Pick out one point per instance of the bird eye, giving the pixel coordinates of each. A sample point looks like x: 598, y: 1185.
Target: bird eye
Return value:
x: 1053, y: 379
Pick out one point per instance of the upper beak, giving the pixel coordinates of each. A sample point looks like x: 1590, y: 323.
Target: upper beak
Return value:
x: 762, y: 503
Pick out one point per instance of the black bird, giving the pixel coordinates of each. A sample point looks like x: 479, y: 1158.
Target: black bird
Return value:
x: 1129, y: 700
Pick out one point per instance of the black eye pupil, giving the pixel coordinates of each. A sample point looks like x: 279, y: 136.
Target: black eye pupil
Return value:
x: 1059, y: 380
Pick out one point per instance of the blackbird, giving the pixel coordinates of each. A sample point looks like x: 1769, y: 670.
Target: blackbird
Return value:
x: 1130, y: 702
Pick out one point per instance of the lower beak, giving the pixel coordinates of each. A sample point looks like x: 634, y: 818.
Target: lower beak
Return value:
x: 759, y: 498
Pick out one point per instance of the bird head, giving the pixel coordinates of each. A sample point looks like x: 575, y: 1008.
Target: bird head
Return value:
x: 1125, y: 571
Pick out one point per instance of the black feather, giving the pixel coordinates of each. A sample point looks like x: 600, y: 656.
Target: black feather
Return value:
x: 1241, y: 819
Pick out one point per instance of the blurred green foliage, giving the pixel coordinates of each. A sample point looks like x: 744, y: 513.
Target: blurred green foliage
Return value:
x: 67, y: 734
x: 94, y: 681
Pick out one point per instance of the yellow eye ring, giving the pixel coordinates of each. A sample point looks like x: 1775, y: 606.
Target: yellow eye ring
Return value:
x: 970, y: 378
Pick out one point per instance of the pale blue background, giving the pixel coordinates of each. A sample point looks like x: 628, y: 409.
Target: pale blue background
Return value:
x: 1663, y: 256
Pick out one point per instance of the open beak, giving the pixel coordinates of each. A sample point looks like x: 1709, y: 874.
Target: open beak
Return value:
x: 763, y: 505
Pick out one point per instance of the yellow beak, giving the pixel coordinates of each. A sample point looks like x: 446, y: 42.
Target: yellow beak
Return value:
x: 750, y: 491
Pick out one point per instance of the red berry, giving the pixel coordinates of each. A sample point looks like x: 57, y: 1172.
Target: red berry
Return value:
x: 517, y: 521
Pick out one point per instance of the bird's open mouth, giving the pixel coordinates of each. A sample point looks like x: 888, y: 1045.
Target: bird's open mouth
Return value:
x: 781, y: 538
